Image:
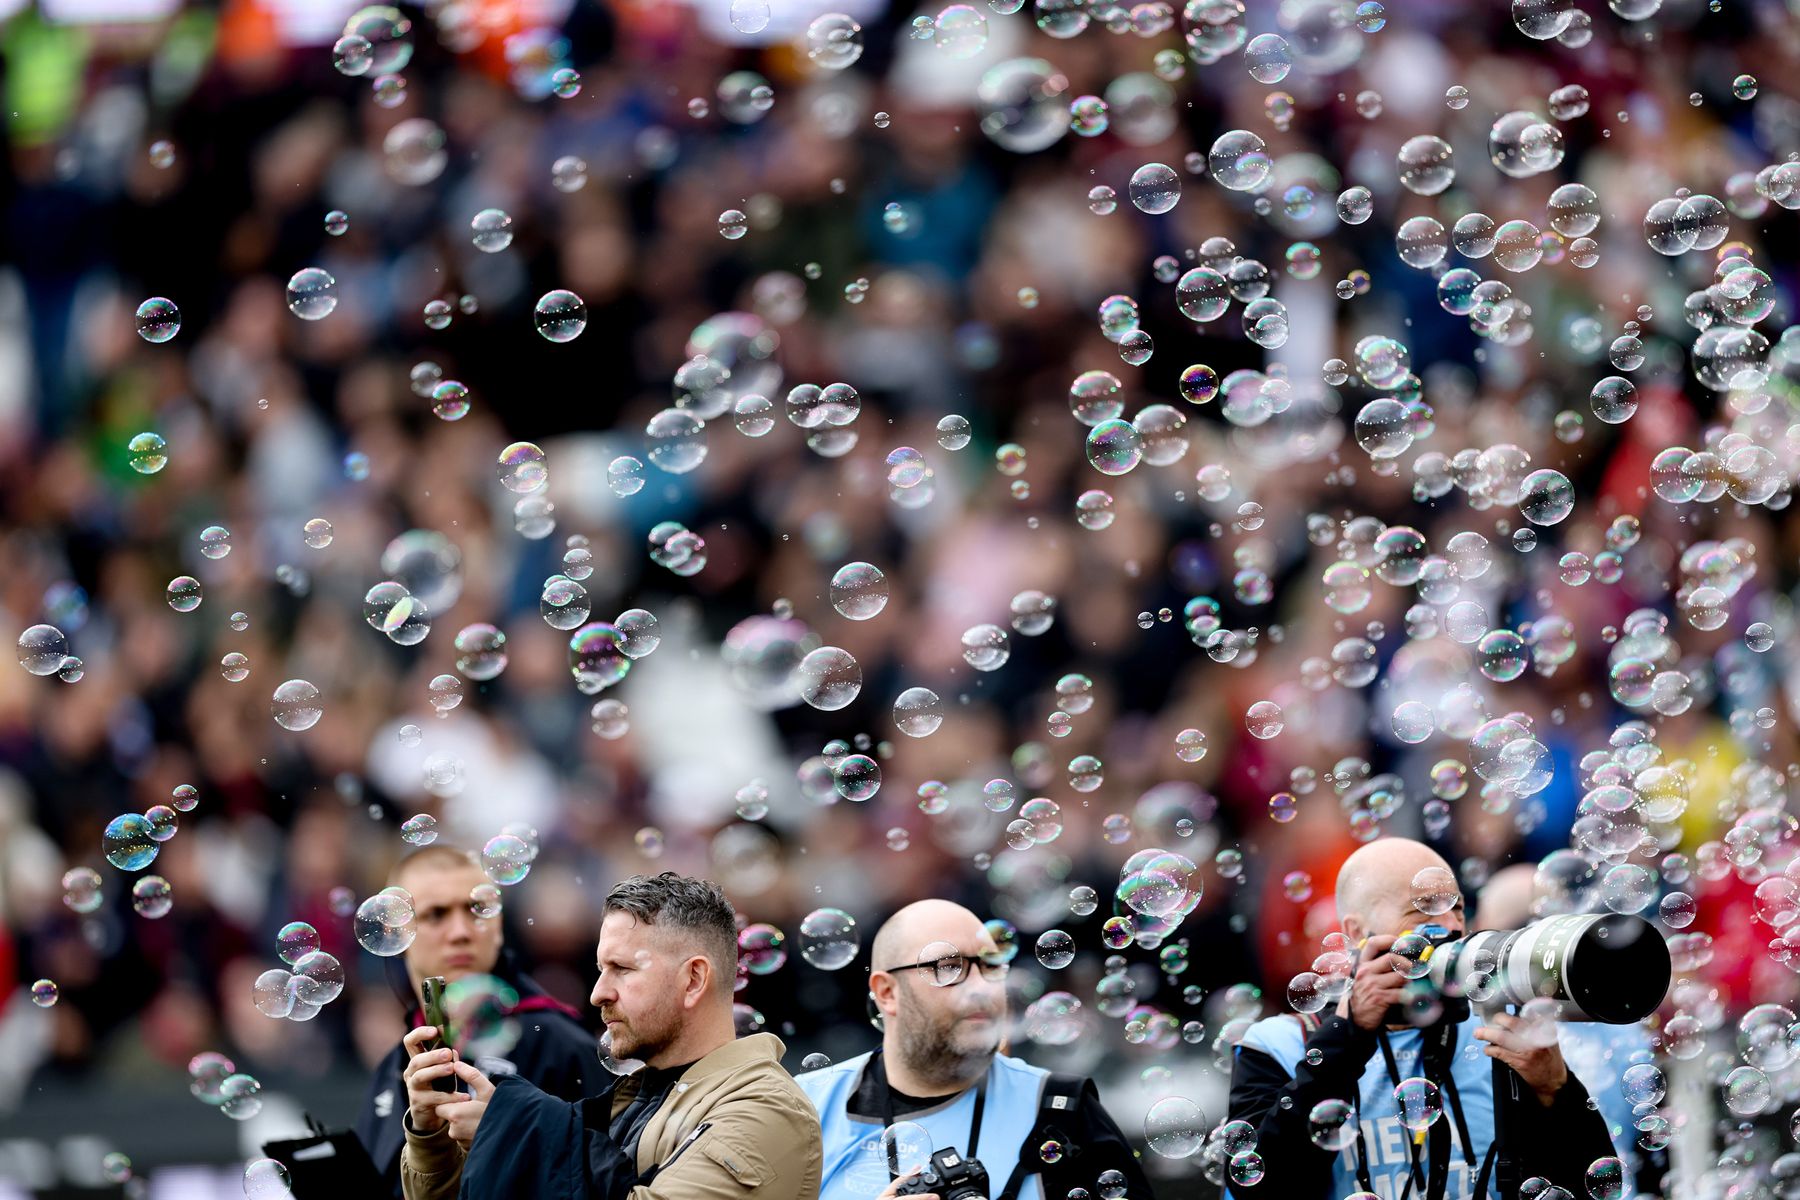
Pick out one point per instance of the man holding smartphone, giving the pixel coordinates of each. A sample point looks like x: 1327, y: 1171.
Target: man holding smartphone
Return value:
x: 456, y: 942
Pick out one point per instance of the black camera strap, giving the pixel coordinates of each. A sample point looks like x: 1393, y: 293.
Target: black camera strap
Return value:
x: 887, y: 1106
x: 1417, y: 1174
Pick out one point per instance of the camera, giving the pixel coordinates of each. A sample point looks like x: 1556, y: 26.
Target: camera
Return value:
x: 1426, y: 1003
x: 951, y: 1176
x: 1608, y: 967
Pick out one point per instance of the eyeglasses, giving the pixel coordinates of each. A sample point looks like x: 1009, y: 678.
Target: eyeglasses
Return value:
x: 952, y: 969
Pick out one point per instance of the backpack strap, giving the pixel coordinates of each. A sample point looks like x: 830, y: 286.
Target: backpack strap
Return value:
x: 1059, y: 1107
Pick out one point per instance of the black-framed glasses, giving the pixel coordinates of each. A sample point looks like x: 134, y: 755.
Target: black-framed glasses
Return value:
x: 950, y: 969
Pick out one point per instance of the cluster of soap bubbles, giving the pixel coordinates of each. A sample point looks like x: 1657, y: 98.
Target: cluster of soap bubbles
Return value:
x: 1376, y: 540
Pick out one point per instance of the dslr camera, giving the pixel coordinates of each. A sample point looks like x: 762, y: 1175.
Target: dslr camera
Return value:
x: 951, y: 1176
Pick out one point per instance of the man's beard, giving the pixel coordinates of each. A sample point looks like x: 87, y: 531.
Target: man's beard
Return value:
x: 931, y: 1052
x: 640, y: 1042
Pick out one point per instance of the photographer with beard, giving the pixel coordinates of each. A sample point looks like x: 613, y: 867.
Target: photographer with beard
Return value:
x: 1289, y: 1065
x: 939, y: 986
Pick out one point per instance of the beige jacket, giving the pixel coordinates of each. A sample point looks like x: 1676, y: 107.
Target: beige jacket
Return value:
x: 762, y: 1141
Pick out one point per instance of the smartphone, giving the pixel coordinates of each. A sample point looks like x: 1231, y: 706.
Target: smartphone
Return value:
x: 432, y: 992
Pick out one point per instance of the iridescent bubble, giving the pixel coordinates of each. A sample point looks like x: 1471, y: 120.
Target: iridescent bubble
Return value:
x: 1268, y: 58
x: 82, y: 889
x: 677, y: 440
x: 859, y: 591
x: 1547, y: 497
x: 450, y: 400
x: 829, y: 678
x: 152, y: 897
x: 312, y: 294
x: 1114, y: 447
x: 1263, y: 719
x: 43, y: 649
x: 1419, y: 1103
x: 295, y: 941
x: 1238, y: 161
x: 625, y: 475
x: 986, y: 647
x: 1055, y: 949
x: 597, y: 657
x: 1426, y: 165
x: 240, y: 1097
x: 163, y: 822
x: 266, y: 1179
x: 834, y: 41
x: 1155, y: 188
x: 506, y: 859
x: 560, y: 315
x: 158, y: 319
x: 183, y: 593
x: 1175, y: 1127
x: 296, y: 705
x: 44, y: 993
x: 147, y: 453
x: 918, y: 712
x: 127, y: 843
x: 491, y: 230
x: 828, y: 938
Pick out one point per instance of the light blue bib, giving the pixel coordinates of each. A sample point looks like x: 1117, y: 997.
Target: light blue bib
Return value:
x: 855, y: 1167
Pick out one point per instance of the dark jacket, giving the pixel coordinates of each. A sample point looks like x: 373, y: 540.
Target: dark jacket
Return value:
x: 554, y: 1052
x: 1557, y: 1142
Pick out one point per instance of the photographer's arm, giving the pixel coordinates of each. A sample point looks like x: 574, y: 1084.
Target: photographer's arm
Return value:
x: 1294, y: 1166
x: 1562, y: 1139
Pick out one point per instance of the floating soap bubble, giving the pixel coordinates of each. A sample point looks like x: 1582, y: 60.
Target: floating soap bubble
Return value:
x: 158, y: 319
x: 385, y: 924
x: 148, y: 453
x: 828, y: 938
x: 312, y: 294
x: 560, y: 315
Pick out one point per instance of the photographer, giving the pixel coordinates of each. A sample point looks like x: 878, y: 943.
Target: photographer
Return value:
x: 456, y: 942
x: 939, y: 986
x: 705, y: 1115
x: 1287, y: 1065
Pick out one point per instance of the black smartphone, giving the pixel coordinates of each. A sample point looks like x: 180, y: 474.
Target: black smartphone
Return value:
x: 431, y: 990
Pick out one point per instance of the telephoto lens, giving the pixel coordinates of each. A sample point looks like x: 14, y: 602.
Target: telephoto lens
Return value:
x: 1608, y: 968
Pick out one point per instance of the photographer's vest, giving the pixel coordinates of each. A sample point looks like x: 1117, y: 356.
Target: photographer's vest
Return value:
x: 1384, y: 1140
x: 857, y: 1169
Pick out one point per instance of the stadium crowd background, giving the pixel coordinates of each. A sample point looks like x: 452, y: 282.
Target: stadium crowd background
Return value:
x: 260, y: 411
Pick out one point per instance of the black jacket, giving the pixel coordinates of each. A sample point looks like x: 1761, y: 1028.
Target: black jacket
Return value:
x: 1557, y: 1142
x: 553, y: 1051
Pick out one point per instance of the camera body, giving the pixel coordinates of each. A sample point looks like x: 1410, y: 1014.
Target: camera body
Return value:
x: 950, y: 1176
x: 1427, y: 1001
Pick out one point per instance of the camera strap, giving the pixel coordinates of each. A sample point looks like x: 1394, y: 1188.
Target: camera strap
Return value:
x: 1434, y: 1059
x: 1416, y: 1175
x: 887, y: 1105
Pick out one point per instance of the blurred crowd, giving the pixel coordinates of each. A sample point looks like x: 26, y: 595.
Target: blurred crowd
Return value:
x: 272, y: 421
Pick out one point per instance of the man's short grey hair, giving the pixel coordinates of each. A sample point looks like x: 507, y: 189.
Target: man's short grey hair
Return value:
x: 697, y: 907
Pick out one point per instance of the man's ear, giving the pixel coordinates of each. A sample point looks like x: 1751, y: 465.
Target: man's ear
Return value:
x: 697, y: 980
x: 1354, y: 931
x: 882, y: 988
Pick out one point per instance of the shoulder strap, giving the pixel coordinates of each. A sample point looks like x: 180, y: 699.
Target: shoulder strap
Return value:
x: 1059, y: 1104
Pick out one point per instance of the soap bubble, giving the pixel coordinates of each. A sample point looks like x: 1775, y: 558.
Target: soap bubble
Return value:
x: 828, y: 938
x: 158, y: 319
